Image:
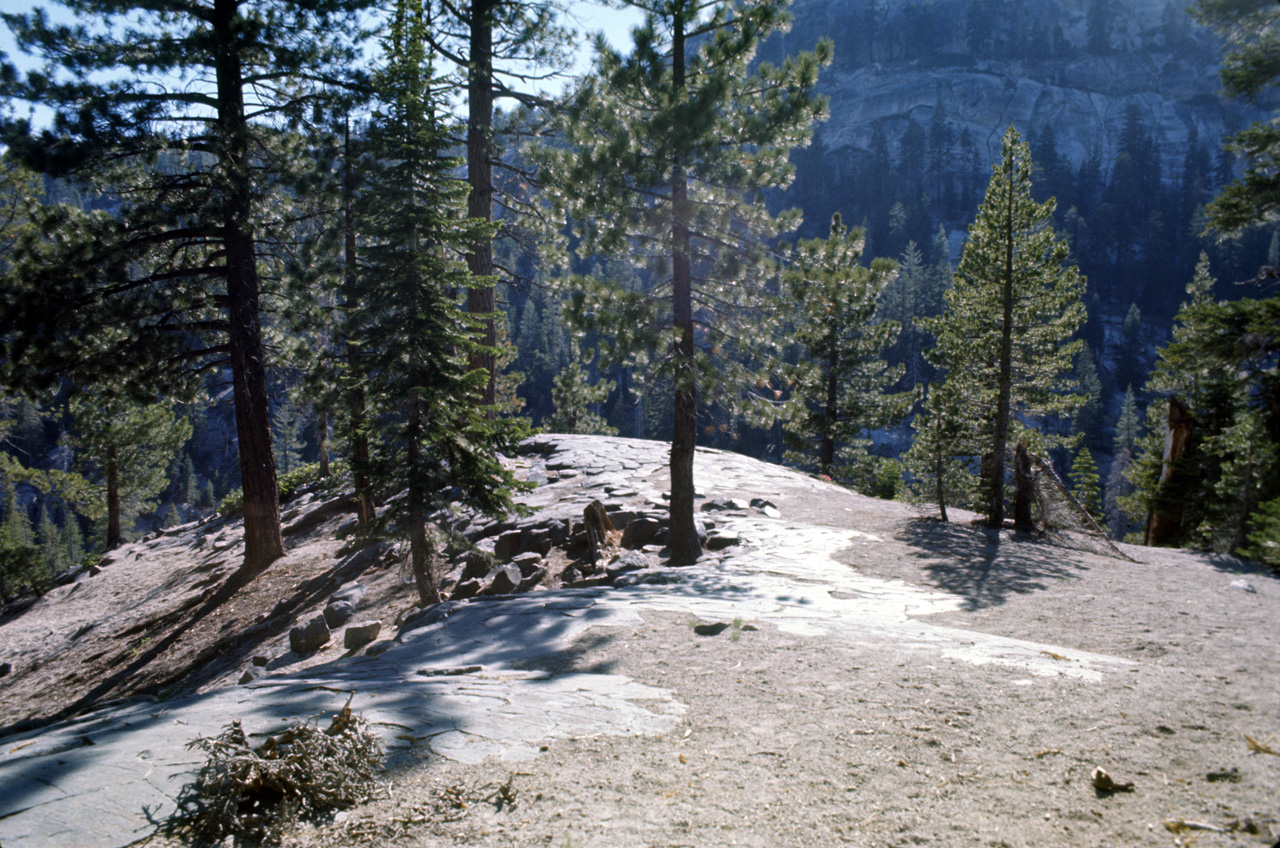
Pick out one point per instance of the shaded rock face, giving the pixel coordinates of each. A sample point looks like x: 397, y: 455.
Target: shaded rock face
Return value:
x: 1030, y: 64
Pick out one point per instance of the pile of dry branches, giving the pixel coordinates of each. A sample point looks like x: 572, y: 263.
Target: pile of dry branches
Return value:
x: 254, y: 793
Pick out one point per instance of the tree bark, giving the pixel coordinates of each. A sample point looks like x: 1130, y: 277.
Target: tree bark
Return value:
x: 685, y: 546
x: 1004, y: 377
x: 355, y: 398
x: 1165, y: 518
x: 113, y: 500
x: 827, y: 454
x: 480, y: 299
x: 322, y: 436
x: 419, y: 555
x: 263, y: 541
x: 1023, y: 487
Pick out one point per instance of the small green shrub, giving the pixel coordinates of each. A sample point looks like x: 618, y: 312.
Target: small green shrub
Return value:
x: 289, y: 484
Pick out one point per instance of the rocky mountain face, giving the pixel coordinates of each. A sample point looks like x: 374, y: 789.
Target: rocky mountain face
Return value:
x: 1078, y: 66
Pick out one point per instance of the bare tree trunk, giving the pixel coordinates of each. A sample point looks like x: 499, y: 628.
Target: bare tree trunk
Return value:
x: 419, y: 549
x: 685, y: 546
x: 827, y: 454
x: 263, y: 541
x: 1165, y: 518
x: 480, y: 300
x: 355, y: 398
x: 113, y: 500
x: 1023, y: 487
x: 1004, y: 378
x: 322, y: 437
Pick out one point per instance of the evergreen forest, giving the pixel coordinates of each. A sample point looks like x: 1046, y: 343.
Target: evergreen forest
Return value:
x: 371, y: 245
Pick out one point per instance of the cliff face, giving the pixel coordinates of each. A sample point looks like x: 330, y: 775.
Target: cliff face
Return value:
x: 1078, y: 66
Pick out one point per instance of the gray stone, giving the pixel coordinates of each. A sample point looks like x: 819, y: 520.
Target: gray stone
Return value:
x: 503, y: 580
x: 527, y: 562
x: 468, y: 588
x: 358, y: 635
x: 630, y: 561
x: 508, y: 545
x: 1243, y: 586
x: 6, y: 669
x: 251, y: 674
x: 478, y: 565
x: 351, y: 592
x: 260, y: 660
x: 307, y: 637
x: 721, y: 540
x: 639, y: 531
x: 532, y: 578
x: 338, y: 613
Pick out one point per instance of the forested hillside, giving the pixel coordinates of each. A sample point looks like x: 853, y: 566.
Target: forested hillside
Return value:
x: 946, y: 251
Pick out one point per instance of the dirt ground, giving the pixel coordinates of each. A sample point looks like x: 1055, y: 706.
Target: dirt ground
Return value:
x: 787, y: 740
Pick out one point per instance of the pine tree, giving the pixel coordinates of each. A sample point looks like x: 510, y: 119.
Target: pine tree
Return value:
x: 128, y: 448
x: 1014, y: 305
x: 669, y: 153
x: 1089, y: 417
x: 413, y: 340
x: 1127, y: 424
x: 501, y: 46
x: 1249, y: 69
x: 842, y: 381
x: 573, y: 397
x: 1084, y: 482
x: 176, y: 109
x: 938, y: 460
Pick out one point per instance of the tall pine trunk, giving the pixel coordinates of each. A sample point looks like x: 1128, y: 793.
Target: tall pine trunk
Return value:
x: 356, y: 397
x: 480, y: 299
x: 263, y: 541
x: 1004, y: 377
x: 685, y: 547
x: 827, y: 453
x: 113, y: 500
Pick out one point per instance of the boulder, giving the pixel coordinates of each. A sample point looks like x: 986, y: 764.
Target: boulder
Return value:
x: 722, y: 539
x: 310, y: 636
x: 351, y: 592
x: 477, y: 566
x: 468, y: 588
x: 532, y: 578
x: 527, y: 562
x: 338, y: 613
x: 6, y: 669
x: 630, y: 561
x: 639, y: 531
x: 260, y: 660
x: 359, y: 635
x: 503, y: 580
x: 251, y: 674
x: 508, y: 545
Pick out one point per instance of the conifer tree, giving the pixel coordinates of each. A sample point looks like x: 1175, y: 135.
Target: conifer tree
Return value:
x: 1004, y: 337
x: 1249, y: 69
x: 176, y: 109
x: 669, y: 152
x: 573, y: 397
x: 937, y: 462
x: 842, y: 381
x: 1084, y: 481
x: 127, y: 448
x: 413, y: 339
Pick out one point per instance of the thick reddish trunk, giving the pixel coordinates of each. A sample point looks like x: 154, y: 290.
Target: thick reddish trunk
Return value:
x: 685, y: 546
x: 113, y: 500
x: 480, y: 300
x: 355, y: 398
x: 263, y: 542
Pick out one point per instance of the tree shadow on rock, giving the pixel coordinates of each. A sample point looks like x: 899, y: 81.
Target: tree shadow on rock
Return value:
x: 986, y: 566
